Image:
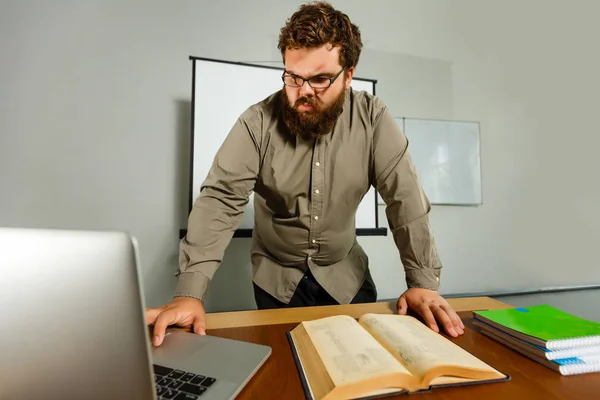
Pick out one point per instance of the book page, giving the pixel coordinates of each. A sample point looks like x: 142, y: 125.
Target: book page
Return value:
x: 348, y: 351
x: 418, y: 347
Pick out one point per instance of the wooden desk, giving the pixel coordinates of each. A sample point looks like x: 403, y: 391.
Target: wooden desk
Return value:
x: 278, y: 377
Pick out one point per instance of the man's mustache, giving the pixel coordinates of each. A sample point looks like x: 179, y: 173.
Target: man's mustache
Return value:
x: 309, y: 101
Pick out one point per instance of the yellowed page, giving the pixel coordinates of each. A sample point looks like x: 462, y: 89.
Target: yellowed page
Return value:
x: 418, y: 347
x: 348, y: 351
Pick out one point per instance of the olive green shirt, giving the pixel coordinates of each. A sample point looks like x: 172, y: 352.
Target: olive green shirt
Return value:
x: 306, y: 194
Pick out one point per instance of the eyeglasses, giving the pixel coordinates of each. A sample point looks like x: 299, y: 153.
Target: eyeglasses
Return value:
x: 317, y: 82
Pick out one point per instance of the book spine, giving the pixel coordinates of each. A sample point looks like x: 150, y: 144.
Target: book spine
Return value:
x: 303, y: 381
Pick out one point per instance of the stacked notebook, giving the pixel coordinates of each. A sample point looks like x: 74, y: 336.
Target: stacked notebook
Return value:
x: 554, y: 338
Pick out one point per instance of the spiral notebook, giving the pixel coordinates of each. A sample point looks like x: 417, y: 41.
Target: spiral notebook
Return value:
x: 582, y: 364
x: 535, y: 350
x: 543, y: 325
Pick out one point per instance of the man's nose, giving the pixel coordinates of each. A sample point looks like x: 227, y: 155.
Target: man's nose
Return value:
x: 306, y: 89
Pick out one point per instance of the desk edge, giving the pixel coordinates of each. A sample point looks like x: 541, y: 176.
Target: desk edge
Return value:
x: 237, y: 319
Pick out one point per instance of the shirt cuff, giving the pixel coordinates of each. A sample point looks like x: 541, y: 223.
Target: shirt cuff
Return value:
x: 192, y: 284
x: 428, y: 278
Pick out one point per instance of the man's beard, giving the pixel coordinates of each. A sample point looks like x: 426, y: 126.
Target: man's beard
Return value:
x: 313, y: 123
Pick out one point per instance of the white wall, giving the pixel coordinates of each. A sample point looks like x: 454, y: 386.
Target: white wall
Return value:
x: 94, y: 125
x: 533, y: 83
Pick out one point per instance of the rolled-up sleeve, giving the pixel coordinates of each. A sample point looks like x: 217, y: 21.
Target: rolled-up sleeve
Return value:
x: 407, y: 207
x: 217, y: 211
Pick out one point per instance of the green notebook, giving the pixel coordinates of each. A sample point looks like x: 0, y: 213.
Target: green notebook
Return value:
x: 544, y: 326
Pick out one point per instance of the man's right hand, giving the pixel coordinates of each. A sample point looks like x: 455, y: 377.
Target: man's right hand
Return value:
x: 182, y: 311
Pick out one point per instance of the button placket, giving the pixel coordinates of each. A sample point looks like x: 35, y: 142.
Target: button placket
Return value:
x: 317, y: 184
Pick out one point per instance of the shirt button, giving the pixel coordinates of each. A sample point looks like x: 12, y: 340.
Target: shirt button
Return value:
x: 316, y: 217
x: 314, y: 241
x: 317, y: 191
x: 318, y: 164
x: 437, y: 278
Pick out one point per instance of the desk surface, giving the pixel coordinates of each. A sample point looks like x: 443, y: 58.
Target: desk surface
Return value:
x: 278, y: 377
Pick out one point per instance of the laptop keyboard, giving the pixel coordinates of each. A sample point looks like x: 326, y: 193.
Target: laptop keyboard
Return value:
x: 180, y: 385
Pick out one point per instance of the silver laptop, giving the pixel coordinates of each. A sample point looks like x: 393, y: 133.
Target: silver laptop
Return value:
x: 73, y: 327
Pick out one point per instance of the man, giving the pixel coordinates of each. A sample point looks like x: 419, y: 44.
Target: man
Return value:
x: 310, y: 152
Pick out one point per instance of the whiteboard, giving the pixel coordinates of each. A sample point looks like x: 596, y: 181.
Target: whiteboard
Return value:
x: 221, y: 92
x: 447, y: 157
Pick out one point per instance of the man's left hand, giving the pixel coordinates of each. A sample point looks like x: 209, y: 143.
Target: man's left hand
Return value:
x: 431, y: 307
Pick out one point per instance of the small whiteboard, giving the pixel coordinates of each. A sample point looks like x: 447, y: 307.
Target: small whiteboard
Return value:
x: 447, y: 157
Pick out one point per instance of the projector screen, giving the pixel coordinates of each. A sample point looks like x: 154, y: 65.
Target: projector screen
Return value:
x: 221, y: 92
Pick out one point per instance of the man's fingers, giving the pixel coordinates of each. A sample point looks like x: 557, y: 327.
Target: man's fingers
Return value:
x: 456, y: 321
x: 166, y: 318
x: 427, y: 316
x: 445, y: 320
x: 200, y: 326
x: 151, y: 315
x: 433, y: 309
x: 402, y: 306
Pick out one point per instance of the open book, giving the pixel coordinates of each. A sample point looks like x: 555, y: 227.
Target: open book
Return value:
x: 340, y: 358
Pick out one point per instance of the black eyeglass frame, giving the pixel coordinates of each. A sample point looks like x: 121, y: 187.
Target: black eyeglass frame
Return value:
x: 331, y: 80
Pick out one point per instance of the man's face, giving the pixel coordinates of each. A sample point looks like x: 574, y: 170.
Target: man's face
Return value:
x: 311, y: 112
x: 322, y: 61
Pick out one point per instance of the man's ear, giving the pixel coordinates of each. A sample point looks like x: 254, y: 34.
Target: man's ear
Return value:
x: 349, y: 75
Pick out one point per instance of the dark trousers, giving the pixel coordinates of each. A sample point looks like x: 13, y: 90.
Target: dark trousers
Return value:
x: 310, y: 293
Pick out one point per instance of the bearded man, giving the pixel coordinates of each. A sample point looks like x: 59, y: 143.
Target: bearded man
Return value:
x: 310, y: 152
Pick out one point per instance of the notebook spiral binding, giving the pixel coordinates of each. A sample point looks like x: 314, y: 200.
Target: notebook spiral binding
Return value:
x: 583, y: 341
x: 576, y: 369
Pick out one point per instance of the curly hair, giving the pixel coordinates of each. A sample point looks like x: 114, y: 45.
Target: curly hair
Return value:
x: 318, y: 23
